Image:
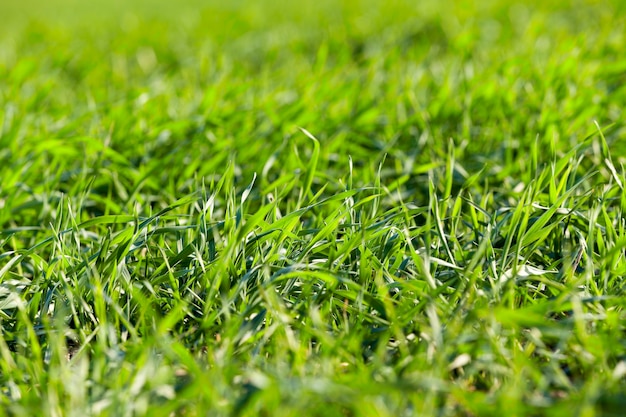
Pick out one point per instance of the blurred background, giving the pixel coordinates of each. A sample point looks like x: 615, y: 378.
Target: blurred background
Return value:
x: 384, y: 82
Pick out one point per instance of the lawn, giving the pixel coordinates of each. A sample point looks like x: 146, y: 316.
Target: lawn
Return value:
x: 325, y: 208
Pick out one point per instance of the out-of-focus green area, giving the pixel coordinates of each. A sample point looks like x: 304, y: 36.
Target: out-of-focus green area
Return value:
x: 398, y: 78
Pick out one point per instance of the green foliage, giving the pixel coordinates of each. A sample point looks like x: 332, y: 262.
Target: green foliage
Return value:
x: 327, y: 208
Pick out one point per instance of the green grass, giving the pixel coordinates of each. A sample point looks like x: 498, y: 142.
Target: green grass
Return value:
x: 350, y: 208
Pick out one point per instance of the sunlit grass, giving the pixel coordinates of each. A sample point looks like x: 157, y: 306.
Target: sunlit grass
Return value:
x: 333, y: 208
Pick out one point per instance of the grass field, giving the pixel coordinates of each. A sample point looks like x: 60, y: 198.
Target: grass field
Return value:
x: 330, y: 208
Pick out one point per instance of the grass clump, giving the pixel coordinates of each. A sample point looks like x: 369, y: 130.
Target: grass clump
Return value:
x: 335, y: 208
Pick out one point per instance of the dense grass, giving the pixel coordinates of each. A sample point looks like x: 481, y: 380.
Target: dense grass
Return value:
x: 331, y: 208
